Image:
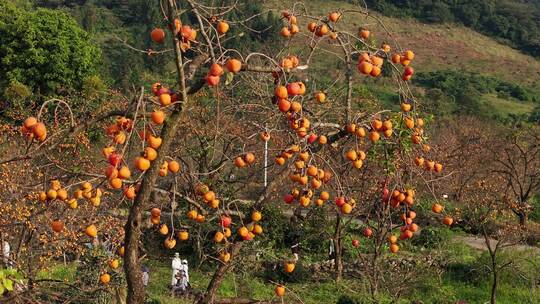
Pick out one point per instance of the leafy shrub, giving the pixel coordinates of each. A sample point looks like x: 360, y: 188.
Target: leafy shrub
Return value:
x: 16, y: 101
x: 91, y: 266
x: 273, y: 217
x: 432, y: 237
x: 93, y: 85
x: 8, y: 277
x: 345, y: 299
x: 535, y: 213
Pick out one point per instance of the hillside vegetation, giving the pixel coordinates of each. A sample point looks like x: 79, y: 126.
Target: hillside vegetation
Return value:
x: 515, y: 23
x: 454, y: 50
x: 449, y: 52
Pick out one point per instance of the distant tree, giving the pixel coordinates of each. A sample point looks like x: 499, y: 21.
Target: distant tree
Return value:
x: 44, y: 50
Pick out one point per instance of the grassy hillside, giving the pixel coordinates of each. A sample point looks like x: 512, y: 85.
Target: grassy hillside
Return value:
x: 441, y: 46
x: 444, y: 47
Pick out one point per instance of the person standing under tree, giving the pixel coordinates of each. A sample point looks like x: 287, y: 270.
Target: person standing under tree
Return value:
x: 294, y: 236
x: 5, y: 251
x: 332, y: 252
x: 176, y: 267
x: 185, y: 268
x: 145, y: 276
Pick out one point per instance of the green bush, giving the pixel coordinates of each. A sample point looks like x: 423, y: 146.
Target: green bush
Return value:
x: 16, y: 101
x: 459, y: 84
x: 92, y: 264
x: 348, y: 300
x: 433, y: 237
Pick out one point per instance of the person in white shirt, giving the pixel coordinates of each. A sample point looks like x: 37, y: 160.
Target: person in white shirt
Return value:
x: 331, y: 252
x: 5, y: 252
x: 176, y: 267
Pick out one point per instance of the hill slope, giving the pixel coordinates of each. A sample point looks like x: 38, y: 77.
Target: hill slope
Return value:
x: 442, y: 46
x: 445, y: 47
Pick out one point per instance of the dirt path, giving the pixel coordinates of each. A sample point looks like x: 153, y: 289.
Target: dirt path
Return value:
x: 479, y: 243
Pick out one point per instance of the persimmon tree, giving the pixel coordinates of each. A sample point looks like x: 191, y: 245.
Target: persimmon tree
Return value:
x: 481, y: 191
x: 232, y: 133
x: 518, y: 162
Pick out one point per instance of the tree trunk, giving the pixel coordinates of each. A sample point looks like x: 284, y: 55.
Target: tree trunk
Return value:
x: 213, y: 286
x: 522, y: 218
x: 133, y: 225
x: 494, y: 268
x: 494, y: 286
x: 338, y: 248
x: 374, y: 281
x: 136, y: 292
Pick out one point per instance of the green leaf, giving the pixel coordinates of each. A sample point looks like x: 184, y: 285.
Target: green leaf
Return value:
x: 2, y: 289
x: 9, y: 285
x: 229, y: 78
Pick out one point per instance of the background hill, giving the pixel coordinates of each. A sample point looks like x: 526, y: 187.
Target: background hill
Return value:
x: 473, y: 58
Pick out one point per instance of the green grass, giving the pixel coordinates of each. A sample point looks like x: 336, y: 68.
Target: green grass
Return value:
x: 462, y: 280
x: 249, y: 286
x: 508, y: 106
x: 58, y: 272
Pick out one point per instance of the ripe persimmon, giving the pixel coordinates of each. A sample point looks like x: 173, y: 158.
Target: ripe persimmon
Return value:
x: 437, y: 208
x: 448, y: 221
x: 183, y: 235
x: 57, y: 225
x: 364, y: 33
x: 281, y: 92
x: 165, y: 99
x: 91, y: 231
x: 409, y: 55
x: 157, y: 35
x: 239, y: 162
x: 142, y: 163
x: 115, y: 183
x: 351, y: 155
x: 334, y: 16
x: 321, y: 30
x: 129, y: 192
x: 169, y: 243
x: 279, y: 290
x: 233, y: 65
x: 365, y: 67
x: 285, y: 32
x: 105, y: 278
x: 173, y: 166
x: 222, y: 27
x: 374, y: 136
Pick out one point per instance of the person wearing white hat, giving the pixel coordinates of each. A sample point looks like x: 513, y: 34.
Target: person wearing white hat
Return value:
x: 176, y: 267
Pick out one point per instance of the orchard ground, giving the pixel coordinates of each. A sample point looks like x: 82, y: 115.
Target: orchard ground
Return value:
x: 463, y: 278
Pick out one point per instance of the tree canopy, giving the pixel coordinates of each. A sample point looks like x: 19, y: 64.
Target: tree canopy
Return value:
x: 44, y: 50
